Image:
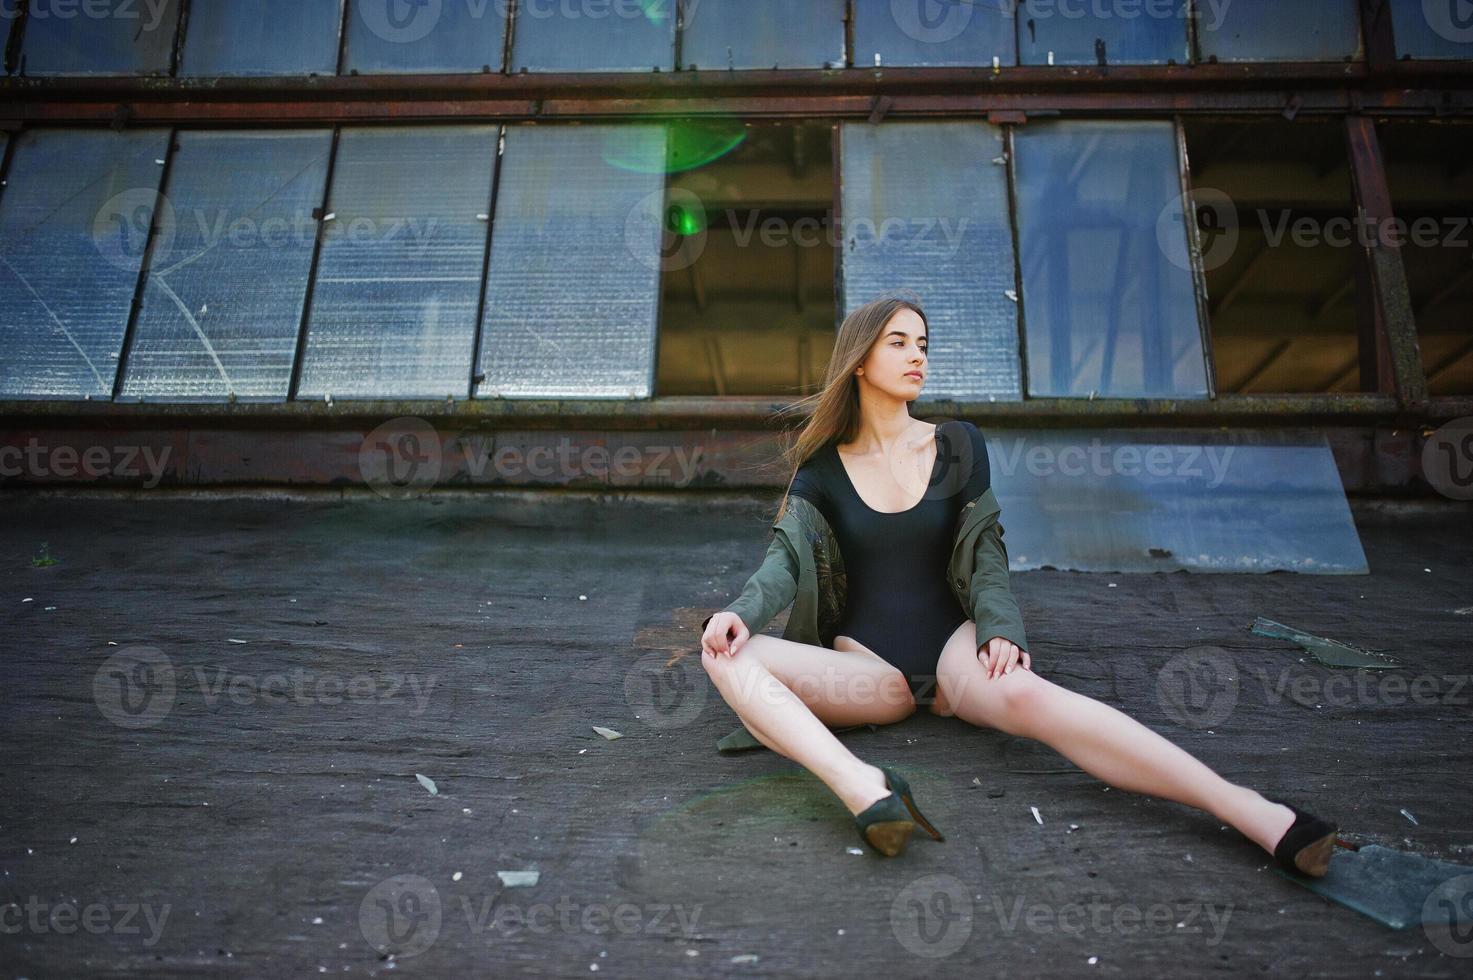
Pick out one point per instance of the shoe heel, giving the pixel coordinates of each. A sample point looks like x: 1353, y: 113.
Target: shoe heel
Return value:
x: 1307, y: 845
x: 883, y: 825
x: 898, y: 783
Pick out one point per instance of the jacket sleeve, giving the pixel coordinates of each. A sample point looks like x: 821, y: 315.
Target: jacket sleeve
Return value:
x: 994, y: 609
x: 770, y: 590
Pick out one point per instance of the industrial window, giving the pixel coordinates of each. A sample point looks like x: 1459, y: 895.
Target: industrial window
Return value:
x: 394, y: 304
x: 227, y: 270
x: 738, y: 34
x: 932, y: 34
x: 615, y: 35
x: 1278, y: 30
x: 1061, y: 33
x: 102, y: 37
x: 948, y: 240
x: 387, y: 37
x: 573, y: 284
x: 262, y: 37
x: 1442, y: 29
x: 747, y: 258
x: 1109, y: 302
x: 1274, y: 212
x: 1432, y: 196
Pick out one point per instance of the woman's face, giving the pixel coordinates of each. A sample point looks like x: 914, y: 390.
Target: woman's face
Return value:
x: 896, y: 359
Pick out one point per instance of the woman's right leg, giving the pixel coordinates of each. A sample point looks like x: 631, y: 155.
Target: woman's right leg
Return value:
x: 788, y: 694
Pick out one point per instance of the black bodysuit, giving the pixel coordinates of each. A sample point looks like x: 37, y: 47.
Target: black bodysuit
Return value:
x: 898, y: 601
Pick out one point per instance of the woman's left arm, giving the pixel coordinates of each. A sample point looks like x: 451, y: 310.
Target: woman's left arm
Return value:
x: 994, y: 609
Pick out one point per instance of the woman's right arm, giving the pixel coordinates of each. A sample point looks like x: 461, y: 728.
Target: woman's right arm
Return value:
x: 769, y: 590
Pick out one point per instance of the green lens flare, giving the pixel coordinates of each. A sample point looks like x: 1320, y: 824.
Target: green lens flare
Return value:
x: 689, y: 144
x: 684, y: 221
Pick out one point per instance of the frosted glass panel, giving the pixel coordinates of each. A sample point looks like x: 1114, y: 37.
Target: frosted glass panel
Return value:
x: 387, y: 36
x: 1079, y: 33
x: 222, y: 305
x: 948, y: 240
x: 740, y: 34
x: 613, y: 35
x: 1108, y: 297
x: 262, y: 37
x: 1280, y: 30
x: 934, y: 33
x: 574, y: 286
x: 96, y: 37
x: 74, y: 221
x: 398, y: 282
x: 1432, y: 30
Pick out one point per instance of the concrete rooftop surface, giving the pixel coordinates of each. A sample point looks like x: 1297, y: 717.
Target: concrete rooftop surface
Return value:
x: 306, y: 735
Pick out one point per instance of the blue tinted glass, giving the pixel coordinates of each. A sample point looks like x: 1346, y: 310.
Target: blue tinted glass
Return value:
x: 1061, y: 32
x: 574, y: 282
x: 950, y: 241
x: 262, y: 37
x: 1438, y: 29
x: 1278, y: 30
x: 222, y: 304
x: 721, y: 34
x: 399, y: 279
x: 1108, y: 297
x: 405, y: 36
x: 74, y: 221
x: 933, y: 33
x: 99, y: 37
x: 605, y: 35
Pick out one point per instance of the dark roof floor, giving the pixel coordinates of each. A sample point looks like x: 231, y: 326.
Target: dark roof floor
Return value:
x: 245, y: 827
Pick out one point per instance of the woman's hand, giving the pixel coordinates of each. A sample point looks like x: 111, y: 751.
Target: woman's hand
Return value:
x: 1000, y: 656
x: 726, y: 633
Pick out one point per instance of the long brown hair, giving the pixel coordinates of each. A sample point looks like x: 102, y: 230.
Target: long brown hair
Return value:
x: 834, y: 408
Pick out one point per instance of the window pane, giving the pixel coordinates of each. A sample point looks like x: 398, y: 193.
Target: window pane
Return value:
x: 394, y: 303
x: 721, y: 34
x: 1279, y: 30
x: 575, y: 263
x: 262, y: 37
x: 74, y: 219
x: 228, y: 271
x: 386, y: 36
x: 1432, y: 30
x: 100, y: 37
x: 1109, y: 306
x: 948, y: 240
x: 932, y: 33
x: 615, y: 35
x: 1053, y: 32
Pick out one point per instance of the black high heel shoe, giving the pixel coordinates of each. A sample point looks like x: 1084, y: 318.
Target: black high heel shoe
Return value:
x: 887, y: 823
x: 1307, y: 845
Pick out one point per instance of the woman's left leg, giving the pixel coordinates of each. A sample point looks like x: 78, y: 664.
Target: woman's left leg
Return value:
x: 1102, y: 741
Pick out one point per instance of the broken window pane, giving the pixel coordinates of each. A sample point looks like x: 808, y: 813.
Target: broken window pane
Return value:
x: 386, y: 36
x: 101, y: 37
x: 1431, y: 182
x: 935, y: 33
x: 222, y: 304
x: 948, y: 240
x: 1274, y: 213
x: 748, y: 259
x: 1278, y: 30
x: 1431, y: 30
x: 262, y: 37
x: 618, y: 35
x: 74, y: 221
x: 722, y: 34
x: 573, y: 287
x: 1051, y: 32
x: 1108, y: 298
x: 395, y: 300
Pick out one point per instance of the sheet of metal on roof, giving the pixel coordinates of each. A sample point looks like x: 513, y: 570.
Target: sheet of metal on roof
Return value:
x: 738, y: 34
x: 91, y: 39
x: 266, y: 37
x: 1120, y: 500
